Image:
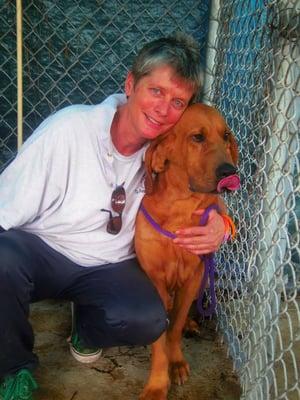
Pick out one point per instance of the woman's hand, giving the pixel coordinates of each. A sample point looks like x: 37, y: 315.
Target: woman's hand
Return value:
x: 202, y: 239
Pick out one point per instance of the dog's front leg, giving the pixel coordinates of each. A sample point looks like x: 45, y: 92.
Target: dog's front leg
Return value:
x: 158, y: 382
x: 179, y: 368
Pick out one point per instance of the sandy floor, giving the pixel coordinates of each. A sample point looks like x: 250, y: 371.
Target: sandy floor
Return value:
x: 122, y: 372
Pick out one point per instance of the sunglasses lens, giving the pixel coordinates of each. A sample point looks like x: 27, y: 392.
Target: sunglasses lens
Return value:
x: 114, y: 225
x: 118, y: 199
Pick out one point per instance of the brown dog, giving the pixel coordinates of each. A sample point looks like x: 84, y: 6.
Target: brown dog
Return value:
x: 188, y: 162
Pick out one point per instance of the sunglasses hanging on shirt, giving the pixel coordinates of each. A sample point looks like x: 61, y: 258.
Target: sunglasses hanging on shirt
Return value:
x: 117, y: 203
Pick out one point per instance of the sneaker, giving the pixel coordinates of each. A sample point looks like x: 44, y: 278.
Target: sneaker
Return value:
x: 81, y: 352
x: 18, y: 386
x: 78, y: 350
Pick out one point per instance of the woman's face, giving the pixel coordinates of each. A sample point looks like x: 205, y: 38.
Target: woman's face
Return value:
x: 156, y: 101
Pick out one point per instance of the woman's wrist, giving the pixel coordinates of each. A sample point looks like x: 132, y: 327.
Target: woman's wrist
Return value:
x: 230, y: 229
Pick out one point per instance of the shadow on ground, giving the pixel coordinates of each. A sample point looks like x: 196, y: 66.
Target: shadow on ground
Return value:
x: 121, y: 372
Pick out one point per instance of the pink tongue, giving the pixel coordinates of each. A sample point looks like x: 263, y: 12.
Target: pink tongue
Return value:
x: 231, y: 182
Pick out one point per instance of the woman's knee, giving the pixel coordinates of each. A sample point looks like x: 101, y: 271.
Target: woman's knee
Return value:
x: 143, y: 331
x: 140, y: 326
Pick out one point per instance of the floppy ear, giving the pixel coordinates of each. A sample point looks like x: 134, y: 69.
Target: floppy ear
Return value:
x: 156, y: 159
x: 234, y: 150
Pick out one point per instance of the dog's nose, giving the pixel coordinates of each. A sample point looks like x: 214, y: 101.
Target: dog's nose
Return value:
x: 224, y: 170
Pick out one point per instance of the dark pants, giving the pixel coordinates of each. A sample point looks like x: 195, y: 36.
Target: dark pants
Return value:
x: 116, y: 304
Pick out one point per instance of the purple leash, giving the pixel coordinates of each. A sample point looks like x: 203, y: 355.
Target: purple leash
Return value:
x: 209, y: 272
x: 208, y: 259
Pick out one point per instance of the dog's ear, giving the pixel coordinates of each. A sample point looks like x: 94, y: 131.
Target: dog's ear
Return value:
x: 156, y: 158
x: 234, y: 150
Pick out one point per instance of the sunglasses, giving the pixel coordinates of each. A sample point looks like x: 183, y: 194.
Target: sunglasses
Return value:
x: 118, y: 201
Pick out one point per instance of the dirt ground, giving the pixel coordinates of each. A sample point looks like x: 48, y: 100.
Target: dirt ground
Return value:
x: 121, y: 372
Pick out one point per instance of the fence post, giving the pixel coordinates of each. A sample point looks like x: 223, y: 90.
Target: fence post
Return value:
x: 211, y: 52
x: 20, y: 71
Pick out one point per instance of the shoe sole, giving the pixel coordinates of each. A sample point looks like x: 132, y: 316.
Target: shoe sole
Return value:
x: 85, y: 358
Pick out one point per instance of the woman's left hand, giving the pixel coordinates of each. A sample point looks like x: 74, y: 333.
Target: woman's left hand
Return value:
x: 202, y: 239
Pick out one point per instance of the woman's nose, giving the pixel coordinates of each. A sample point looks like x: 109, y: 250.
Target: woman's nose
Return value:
x: 162, y: 108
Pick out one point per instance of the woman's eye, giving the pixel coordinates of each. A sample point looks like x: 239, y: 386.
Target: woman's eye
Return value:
x: 199, y: 137
x: 155, y: 91
x: 178, y: 104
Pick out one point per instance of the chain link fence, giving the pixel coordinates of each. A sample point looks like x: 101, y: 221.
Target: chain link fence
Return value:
x: 80, y: 51
x: 8, y: 82
x: 253, y: 77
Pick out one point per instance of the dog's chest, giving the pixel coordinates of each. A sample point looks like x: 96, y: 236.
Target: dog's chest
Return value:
x: 179, y: 268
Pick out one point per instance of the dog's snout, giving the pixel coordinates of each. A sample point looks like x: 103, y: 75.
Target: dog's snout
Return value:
x: 225, y: 170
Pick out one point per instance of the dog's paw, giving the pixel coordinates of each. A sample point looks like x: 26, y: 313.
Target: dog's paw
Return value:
x: 150, y: 393
x: 191, y: 328
x: 179, y: 371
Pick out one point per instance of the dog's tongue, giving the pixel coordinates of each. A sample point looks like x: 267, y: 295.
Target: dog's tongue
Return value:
x: 231, y: 182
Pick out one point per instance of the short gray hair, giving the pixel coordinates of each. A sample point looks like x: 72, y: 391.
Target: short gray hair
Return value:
x: 181, y: 52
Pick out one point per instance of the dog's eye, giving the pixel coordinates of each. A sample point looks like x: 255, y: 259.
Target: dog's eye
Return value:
x: 227, y: 136
x: 199, y: 137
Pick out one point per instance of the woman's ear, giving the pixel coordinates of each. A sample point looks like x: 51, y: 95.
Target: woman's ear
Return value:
x: 129, y: 84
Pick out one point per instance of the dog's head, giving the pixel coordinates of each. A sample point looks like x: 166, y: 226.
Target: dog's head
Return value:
x: 200, y: 148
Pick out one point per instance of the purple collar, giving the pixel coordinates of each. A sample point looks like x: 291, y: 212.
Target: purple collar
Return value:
x: 155, y: 225
x: 208, y: 259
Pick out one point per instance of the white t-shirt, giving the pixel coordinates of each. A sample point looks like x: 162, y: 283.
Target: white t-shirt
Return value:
x: 64, y: 175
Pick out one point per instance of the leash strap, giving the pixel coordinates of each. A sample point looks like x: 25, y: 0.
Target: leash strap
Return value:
x: 209, y: 272
x: 208, y: 260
